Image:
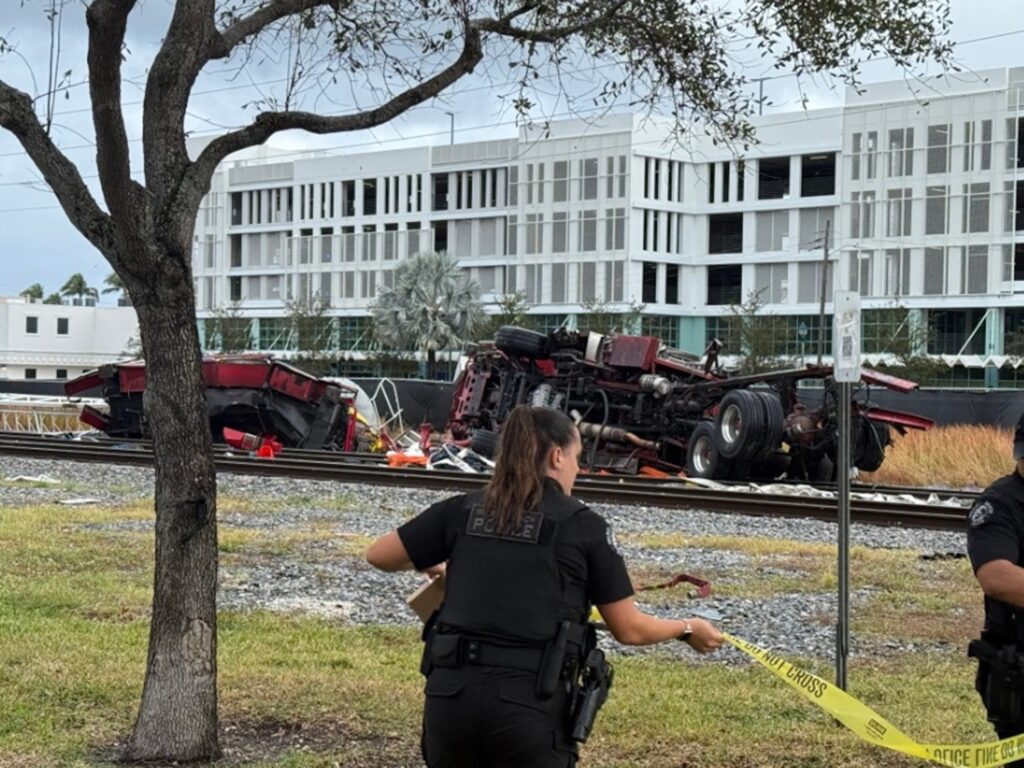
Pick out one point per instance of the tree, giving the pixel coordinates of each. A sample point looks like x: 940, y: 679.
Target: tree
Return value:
x: 901, y: 334
x: 600, y: 317
x: 512, y: 310
x: 34, y: 291
x: 755, y: 336
x: 230, y: 331
x: 394, y: 55
x: 54, y: 298
x: 314, y: 333
x: 77, y: 286
x: 433, y: 306
x: 115, y: 285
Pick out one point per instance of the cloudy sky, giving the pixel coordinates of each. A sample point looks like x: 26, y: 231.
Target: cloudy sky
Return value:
x: 39, y: 245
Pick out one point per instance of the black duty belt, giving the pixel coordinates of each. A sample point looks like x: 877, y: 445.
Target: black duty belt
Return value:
x: 452, y: 651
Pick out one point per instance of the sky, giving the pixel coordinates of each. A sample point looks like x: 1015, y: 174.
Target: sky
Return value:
x: 39, y: 245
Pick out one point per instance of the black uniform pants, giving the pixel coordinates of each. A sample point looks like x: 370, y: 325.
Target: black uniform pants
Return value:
x: 490, y: 717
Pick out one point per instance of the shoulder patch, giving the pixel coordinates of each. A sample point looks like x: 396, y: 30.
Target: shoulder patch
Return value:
x: 482, y: 524
x: 609, y: 534
x: 981, y: 513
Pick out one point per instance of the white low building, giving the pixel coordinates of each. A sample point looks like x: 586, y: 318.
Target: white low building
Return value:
x: 60, y: 341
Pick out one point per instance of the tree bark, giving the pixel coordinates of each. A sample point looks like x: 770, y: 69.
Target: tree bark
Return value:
x: 178, y: 715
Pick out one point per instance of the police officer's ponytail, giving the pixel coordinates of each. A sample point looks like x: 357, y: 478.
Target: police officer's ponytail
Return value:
x: 527, y: 437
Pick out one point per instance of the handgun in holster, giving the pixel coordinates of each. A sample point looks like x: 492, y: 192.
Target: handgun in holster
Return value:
x: 596, y: 680
x: 1000, y: 681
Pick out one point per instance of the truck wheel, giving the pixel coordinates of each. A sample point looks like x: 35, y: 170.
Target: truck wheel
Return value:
x: 484, y: 442
x: 702, y: 457
x: 774, y: 420
x: 740, y: 424
x: 521, y: 341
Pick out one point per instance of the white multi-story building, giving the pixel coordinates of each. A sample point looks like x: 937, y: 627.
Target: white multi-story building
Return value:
x: 60, y: 341
x: 917, y: 193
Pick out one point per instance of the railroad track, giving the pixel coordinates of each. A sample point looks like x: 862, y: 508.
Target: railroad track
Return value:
x: 653, y: 492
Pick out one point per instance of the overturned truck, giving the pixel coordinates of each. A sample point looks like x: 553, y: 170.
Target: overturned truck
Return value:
x: 252, y: 394
x: 643, y: 406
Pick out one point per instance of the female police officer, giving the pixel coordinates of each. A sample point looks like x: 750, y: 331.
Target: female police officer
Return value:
x: 525, y: 561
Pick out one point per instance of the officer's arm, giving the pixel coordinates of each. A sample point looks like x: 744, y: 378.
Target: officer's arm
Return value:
x: 631, y: 626
x: 389, y: 554
x: 1002, y: 580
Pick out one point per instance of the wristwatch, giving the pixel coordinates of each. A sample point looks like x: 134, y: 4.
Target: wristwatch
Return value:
x: 687, y: 633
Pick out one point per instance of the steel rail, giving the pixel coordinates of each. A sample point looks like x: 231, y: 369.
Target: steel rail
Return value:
x: 335, y: 457
x: 609, y: 490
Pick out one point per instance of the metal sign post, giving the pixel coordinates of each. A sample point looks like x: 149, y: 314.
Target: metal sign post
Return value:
x: 846, y: 352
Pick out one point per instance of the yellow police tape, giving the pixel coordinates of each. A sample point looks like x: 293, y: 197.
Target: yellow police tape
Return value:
x: 874, y: 728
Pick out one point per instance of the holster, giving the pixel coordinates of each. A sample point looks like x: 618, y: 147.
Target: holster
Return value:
x: 1000, y: 681
x: 595, y: 682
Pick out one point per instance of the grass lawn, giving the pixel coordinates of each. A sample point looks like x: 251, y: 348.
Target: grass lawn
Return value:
x: 303, y: 692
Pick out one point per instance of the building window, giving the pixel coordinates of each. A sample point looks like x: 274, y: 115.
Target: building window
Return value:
x: 818, y: 175
x: 978, y: 153
x: 725, y: 233
x: 975, y: 270
x: 671, y: 283
x: 662, y: 327
x: 808, y: 281
x: 30, y: 373
x: 725, y: 284
x: 897, y: 221
x: 588, y: 231
x: 772, y: 280
x: 62, y: 373
x: 862, y: 214
x: 897, y: 272
x: 534, y: 233
x: 934, y: 271
x: 560, y: 190
x: 615, y: 229
x: 62, y: 326
x: 650, y: 283
x: 936, y: 211
x: 976, y: 207
x: 31, y: 324
x: 588, y: 178
x: 559, y: 232
x: 773, y: 178
x: 938, y: 148
x: 772, y: 228
x: 813, y: 224
x: 901, y: 152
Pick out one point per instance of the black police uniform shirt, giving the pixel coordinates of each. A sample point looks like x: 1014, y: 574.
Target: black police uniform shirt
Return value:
x: 995, y: 530
x: 584, y: 546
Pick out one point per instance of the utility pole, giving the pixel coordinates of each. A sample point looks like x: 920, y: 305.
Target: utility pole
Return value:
x: 451, y: 128
x: 824, y: 283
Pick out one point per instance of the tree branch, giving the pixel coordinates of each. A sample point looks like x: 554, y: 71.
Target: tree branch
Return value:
x: 506, y: 28
x: 256, y: 22
x: 174, y: 72
x: 268, y: 123
x: 107, y: 20
x: 18, y: 117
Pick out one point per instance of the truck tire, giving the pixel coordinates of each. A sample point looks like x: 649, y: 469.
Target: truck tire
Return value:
x: 521, y: 341
x: 702, y: 457
x: 739, y: 425
x: 484, y: 442
x: 774, y: 420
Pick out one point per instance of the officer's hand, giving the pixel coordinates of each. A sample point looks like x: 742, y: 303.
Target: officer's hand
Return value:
x: 705, y: 637
x: 435, y: 570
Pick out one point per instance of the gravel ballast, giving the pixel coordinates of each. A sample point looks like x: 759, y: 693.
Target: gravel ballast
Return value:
x: 326, y: 576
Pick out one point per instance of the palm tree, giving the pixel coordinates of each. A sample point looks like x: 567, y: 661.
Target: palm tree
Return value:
x: 432, y: 306
x: 34, y: 291
x: 53, y: 298
x: 116, y: 285
x: 76, y: 286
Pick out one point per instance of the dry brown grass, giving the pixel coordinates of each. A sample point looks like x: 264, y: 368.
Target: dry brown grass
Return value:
x: 960, y: 456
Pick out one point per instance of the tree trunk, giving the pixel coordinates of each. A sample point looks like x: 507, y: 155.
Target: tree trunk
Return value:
x: 178, y: 714
x: 431, y: 364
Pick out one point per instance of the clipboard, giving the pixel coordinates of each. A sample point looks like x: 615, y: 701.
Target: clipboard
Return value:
x: 427, y: 598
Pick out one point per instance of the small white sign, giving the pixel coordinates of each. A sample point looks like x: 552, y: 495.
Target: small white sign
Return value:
x: 846, y: 336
